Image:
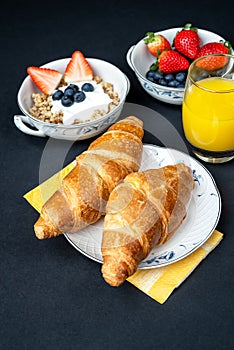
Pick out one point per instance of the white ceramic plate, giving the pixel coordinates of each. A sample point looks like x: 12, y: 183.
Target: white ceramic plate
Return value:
x: 202, y: 216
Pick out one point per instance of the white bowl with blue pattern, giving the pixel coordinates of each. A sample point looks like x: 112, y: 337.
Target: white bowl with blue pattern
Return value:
x: 140, y: 60
x: 32, y: 126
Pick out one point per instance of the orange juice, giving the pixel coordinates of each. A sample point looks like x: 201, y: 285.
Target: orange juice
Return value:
x: 208, y: 114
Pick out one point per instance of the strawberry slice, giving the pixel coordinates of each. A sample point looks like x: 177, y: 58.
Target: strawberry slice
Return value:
x: 46, y: 79
x: 78, y: 68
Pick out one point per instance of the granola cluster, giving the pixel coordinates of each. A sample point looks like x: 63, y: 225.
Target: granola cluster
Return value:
x: 42, y: 105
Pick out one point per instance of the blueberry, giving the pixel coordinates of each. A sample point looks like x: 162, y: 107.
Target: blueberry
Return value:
x: 79, y: 96
x: 180, y: 76
x: 181, y: 86
x: 67, y: 101
x: 158, y: 75
x: 162, y: 82
x: 151, y: 79
x: 74, y: 87
x: 87, y: 87
x: 68, y: 92
x: 154, y: 76
x: 57, y: 95
x: 150, y: 75
x: 169, y: 77
x: 173, y: 83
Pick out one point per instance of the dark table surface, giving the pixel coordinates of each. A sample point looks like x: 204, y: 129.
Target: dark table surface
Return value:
x: 51, y: 296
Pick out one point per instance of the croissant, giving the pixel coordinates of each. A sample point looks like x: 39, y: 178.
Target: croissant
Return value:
x: 143, y: 211
x: 82, y: 196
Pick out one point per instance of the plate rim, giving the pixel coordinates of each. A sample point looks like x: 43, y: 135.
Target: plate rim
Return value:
x: 149, y: 145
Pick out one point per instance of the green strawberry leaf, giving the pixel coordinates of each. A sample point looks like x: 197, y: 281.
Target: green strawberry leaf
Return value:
x: 149, y: 37
x: 228, y: 45
x: 188, y: 26
x: 154, y: 66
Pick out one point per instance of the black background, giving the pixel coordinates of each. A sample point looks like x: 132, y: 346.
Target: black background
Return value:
x: 51, y: 296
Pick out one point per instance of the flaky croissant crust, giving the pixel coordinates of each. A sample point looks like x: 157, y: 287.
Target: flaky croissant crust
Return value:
x: 142, y: 212
x: 82, y: 196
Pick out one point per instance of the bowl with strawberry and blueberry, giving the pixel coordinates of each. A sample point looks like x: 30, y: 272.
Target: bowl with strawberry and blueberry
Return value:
x: 161, y: 59
x: 72, y: 98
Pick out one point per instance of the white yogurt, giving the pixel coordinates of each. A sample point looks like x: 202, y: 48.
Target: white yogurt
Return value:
x: 83, y: 111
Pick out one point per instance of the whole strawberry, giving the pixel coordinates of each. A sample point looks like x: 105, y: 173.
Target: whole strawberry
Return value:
x: 215, y: 62
x: 214, y: 47
x: 156, y: 43
x: 171, y: 61
x: 187, y: 41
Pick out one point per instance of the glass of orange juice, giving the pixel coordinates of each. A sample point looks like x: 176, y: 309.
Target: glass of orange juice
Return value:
x: 208, y: 108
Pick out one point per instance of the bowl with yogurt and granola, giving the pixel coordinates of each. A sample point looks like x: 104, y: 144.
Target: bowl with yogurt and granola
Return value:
x: 72, y: 98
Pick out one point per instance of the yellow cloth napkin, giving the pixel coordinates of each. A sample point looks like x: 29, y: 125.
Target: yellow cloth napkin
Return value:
x: 158, y: 283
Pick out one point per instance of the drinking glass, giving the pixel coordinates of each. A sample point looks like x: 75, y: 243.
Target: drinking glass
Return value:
x: 208, y: 108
